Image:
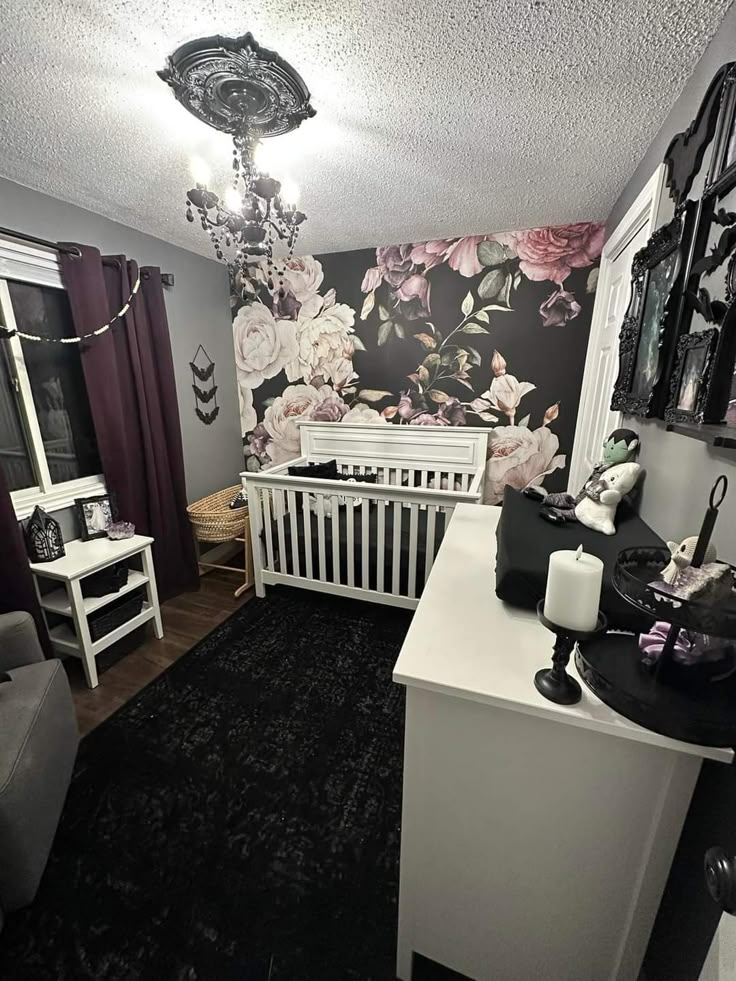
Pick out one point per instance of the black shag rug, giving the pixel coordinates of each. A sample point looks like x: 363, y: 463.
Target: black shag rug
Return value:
x: 238, y: 819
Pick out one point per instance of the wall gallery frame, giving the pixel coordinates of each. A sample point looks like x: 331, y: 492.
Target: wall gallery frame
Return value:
x: 692, y: 379
x: 722, y: 173
x: 95, y: 515
x: 654, y: 319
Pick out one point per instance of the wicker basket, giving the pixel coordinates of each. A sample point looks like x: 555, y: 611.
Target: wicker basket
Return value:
x: 214, y: 521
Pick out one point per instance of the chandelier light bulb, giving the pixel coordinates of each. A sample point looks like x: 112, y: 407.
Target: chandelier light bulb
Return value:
x: 200, y: 170
x: 289, y: 193
x: 232, y: 199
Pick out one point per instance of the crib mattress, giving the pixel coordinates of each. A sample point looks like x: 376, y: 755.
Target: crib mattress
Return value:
x: 287, y: 564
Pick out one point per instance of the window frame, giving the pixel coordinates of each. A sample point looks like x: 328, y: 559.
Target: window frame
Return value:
x: 40, y: 267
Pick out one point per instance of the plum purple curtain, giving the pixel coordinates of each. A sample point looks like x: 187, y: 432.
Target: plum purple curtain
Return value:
x: 16, y: 582
x: 129, y: 373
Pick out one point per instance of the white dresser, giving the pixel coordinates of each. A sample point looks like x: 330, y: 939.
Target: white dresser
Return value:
x: 536, y: 838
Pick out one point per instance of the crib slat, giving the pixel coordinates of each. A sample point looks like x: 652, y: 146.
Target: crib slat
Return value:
x: 307, y: 524
x: 429, y: 549
x: 350, y: 539
x: 464, y: 481
x: 423, y: 478
x: 364, y: 535
x: 413, y: 530
x: 268, y: 530
x: 279, y: 507
x: 335, y: 541
x: 396, y: 550
x: 321, y: 537
x: 291, y: 503
x: 380, y: 545
x: 451, y: 475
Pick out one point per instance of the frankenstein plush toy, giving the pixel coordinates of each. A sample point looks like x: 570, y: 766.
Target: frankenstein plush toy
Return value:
x: 621, y: 446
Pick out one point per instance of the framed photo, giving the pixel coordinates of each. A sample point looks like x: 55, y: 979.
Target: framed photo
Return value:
x: 95, y: 515
x: 722, y: 174
x: 654, y: 319
x: 721, y: 405
x: 693, y: 377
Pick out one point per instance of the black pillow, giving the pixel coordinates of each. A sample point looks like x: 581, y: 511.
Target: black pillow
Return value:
x: 318, y: 470
x: 525, y: 542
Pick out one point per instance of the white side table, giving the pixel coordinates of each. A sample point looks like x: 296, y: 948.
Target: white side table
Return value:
x: 82, y: 559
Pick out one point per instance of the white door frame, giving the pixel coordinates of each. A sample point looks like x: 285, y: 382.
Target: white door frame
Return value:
x: 643, y: 212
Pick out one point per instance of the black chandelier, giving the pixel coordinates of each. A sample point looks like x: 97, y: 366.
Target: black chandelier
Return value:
x: 240, y: 88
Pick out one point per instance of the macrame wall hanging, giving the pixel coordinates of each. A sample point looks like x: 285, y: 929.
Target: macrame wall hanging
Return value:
x: 203, y: 370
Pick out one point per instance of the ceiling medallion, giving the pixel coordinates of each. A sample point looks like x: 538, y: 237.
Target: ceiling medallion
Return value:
x: 240, y: 88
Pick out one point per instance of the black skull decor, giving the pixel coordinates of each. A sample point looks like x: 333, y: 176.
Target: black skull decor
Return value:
x: 43, y: 537
x: 203, y: 371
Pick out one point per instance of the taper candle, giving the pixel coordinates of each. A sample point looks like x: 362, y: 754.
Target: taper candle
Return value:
x: 573, y: 596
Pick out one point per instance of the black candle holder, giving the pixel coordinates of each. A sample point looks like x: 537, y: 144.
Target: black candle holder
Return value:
x: 555, y: 683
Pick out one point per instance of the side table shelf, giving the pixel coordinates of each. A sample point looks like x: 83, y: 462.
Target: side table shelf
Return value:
x: 72, y: 635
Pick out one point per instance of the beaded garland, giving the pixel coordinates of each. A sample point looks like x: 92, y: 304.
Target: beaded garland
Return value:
x: 7, y: 333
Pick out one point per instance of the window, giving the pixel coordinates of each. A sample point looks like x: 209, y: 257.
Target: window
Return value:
x: 48, y: 451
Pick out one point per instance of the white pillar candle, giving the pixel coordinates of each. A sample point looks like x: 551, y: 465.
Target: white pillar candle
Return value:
x: 573, y: 595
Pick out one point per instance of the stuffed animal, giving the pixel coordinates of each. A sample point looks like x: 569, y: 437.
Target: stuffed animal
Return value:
x: 682, y: 556
x: 621, y: 446
x: 598, y: 508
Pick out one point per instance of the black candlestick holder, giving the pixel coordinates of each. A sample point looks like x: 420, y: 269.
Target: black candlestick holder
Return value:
x: 555, y: 683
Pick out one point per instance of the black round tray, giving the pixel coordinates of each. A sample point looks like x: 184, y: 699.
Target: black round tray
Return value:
x: 635, y: 571
x: 704, y: 715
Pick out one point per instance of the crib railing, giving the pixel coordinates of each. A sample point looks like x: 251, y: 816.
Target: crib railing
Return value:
x: 310, y: 532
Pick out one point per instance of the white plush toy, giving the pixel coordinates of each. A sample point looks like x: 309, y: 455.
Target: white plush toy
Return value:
x: 598, y: 508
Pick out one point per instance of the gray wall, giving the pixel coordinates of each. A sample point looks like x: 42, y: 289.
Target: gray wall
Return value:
x: 680, y: 470
x: 198, y: 309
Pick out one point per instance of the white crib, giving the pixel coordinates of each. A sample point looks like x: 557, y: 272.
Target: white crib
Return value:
x: 310, y: 532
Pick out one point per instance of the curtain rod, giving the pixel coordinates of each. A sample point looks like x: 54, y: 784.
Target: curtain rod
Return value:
x: 167, y: 279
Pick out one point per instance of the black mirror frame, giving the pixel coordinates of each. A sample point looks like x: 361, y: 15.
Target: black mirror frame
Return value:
x: 675, y: 236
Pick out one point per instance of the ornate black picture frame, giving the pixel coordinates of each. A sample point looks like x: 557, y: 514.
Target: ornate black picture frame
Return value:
x: 684, y: 156
x: 654, y: 318
x: 692, y: 379
x: 722, y: 171
x: 92, y: 512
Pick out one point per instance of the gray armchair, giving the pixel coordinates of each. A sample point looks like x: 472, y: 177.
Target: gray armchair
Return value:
x: 38, y: 745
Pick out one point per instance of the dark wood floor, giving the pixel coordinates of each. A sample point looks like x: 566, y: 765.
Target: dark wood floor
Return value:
x: 187, y: 619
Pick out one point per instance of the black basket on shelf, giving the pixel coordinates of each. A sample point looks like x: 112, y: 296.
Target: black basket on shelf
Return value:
x: 111, y: 579
x: 115, y: 614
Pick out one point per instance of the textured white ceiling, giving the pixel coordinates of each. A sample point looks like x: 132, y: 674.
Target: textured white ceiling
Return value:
x: 433, y: 118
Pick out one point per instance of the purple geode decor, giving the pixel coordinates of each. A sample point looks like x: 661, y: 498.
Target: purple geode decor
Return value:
x: 120, y: 529
x: 690, y: 648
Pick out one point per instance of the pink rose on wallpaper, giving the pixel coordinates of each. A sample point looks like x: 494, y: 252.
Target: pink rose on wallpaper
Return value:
x: 430, y: 254
x: 395, y: 263
x: 558, y: 308
x: 414, y: 296
x: 552, y: 253
x: 462, y: 256
x: 519, y: 457
x: 330, y: 409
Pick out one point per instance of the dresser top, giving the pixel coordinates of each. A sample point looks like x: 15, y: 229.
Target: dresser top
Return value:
x: 464, y: 641
x: 82, y: 558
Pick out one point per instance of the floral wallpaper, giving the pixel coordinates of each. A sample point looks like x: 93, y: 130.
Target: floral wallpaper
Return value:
x: 486, y: 330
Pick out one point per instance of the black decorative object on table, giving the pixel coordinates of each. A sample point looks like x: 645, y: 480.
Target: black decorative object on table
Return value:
x: 204, y: 372
x: 555, y: 683
x: 44, y: 540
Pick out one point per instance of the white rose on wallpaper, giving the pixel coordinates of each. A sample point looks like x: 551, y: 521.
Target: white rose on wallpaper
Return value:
x: 363, y: 414
x: 324, y: 346
x: 295, y: 402
x: 263, y: 345
x: 519, y: 457
x: 303, y: 276
x: 248, y: 418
